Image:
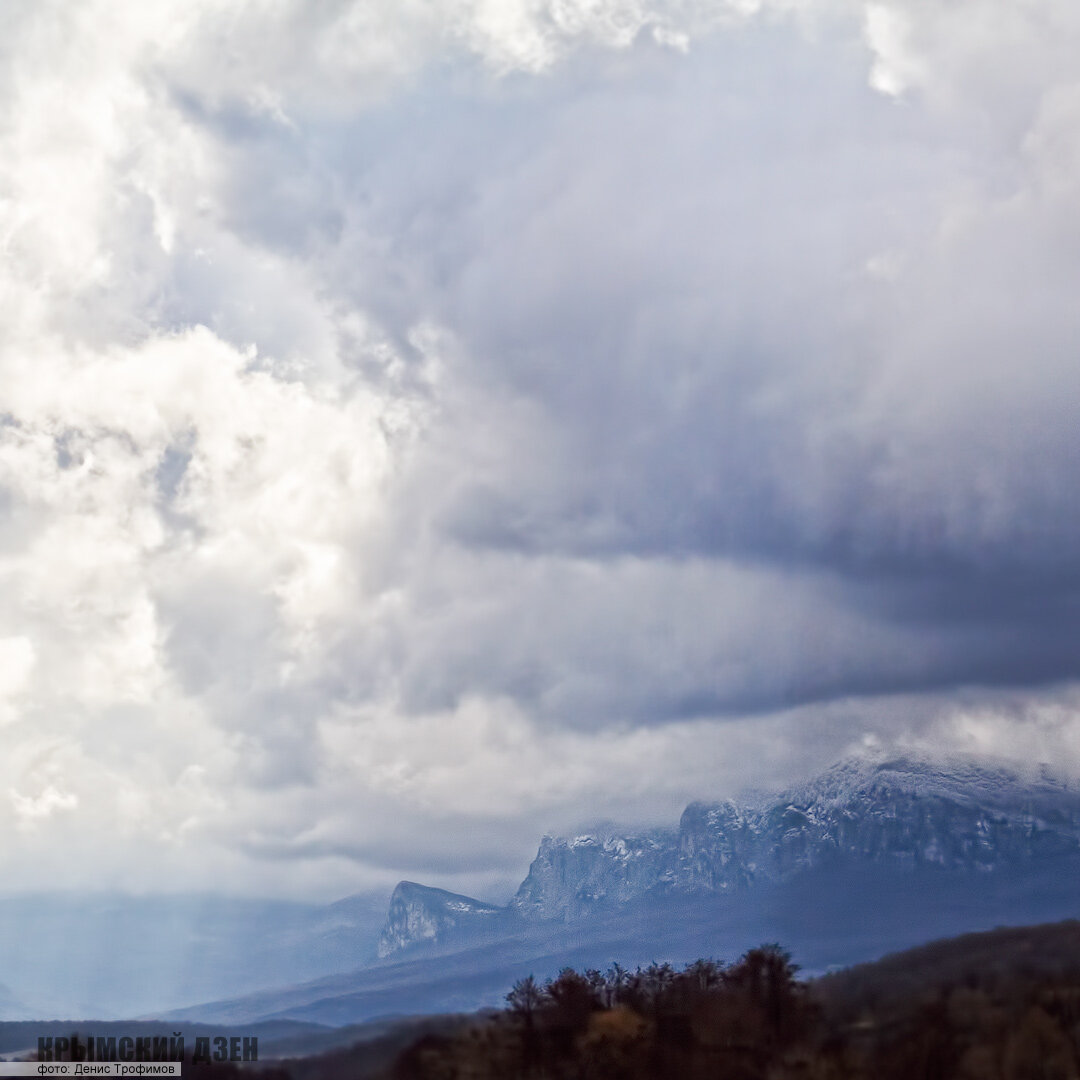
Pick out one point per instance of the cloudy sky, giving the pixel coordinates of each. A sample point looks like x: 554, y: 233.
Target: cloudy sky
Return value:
x: 428, y: 423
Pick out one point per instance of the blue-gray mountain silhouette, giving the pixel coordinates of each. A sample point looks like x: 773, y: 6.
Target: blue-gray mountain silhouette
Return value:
x: 960, y: 815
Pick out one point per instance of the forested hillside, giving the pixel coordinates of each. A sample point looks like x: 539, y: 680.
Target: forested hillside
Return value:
x: 1003, y: 1005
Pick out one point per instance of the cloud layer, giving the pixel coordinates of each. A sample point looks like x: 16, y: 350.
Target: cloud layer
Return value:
x: 427, y: 424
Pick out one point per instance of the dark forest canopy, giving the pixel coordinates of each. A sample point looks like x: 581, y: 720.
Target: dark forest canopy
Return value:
x: 997, y: 1006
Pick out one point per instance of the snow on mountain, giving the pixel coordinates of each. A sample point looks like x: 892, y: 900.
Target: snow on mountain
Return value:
x: 957, y: 814
x: 571, y: 878
x: 986, y: 781
x: 960, y: 814
x: 419, y: 913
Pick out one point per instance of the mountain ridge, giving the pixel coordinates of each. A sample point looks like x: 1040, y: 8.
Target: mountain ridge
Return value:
x: 870, y: 856
x: 959, y: 813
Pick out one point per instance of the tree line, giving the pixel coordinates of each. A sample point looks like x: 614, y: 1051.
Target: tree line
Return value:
x: 756, y: 1020
x: 705, y: 1020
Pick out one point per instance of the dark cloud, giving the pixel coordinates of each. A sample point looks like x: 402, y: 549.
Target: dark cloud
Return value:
x: 704, y: 311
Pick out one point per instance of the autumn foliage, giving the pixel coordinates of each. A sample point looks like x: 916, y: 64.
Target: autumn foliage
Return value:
x: 998, y: 1006
x: 703, y: 1021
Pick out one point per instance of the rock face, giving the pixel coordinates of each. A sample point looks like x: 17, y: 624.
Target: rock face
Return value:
x: 419, y: 913
x: 719, y: 847
x: 958, y: 815
x: 572, y: 878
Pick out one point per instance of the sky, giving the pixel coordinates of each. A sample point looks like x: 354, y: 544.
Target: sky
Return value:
x: 429, y: 424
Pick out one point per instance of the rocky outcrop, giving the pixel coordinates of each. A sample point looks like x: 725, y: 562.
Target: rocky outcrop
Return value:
x: 419, y: 913
x: 570, y: 878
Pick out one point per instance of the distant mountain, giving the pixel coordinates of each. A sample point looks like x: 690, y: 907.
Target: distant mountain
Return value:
x: 871, y: 856
x: 829, y: 917
x: 958, y: 815
x: 573, y: 878
x: 420, y: 913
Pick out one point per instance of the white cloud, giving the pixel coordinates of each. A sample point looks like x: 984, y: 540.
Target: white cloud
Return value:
x: 29, y: 810
x: 17, y: 658
x: 896, y: 65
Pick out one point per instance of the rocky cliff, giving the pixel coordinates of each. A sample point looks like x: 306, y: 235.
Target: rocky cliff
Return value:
x: 419, y: 913
x: 959, y: 815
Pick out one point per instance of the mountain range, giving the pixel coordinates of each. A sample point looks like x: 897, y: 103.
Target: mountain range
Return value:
x: 875, y: 854
x: 962, y: 816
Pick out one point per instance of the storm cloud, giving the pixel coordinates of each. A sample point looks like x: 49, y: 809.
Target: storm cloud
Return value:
x: 424, y: 425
